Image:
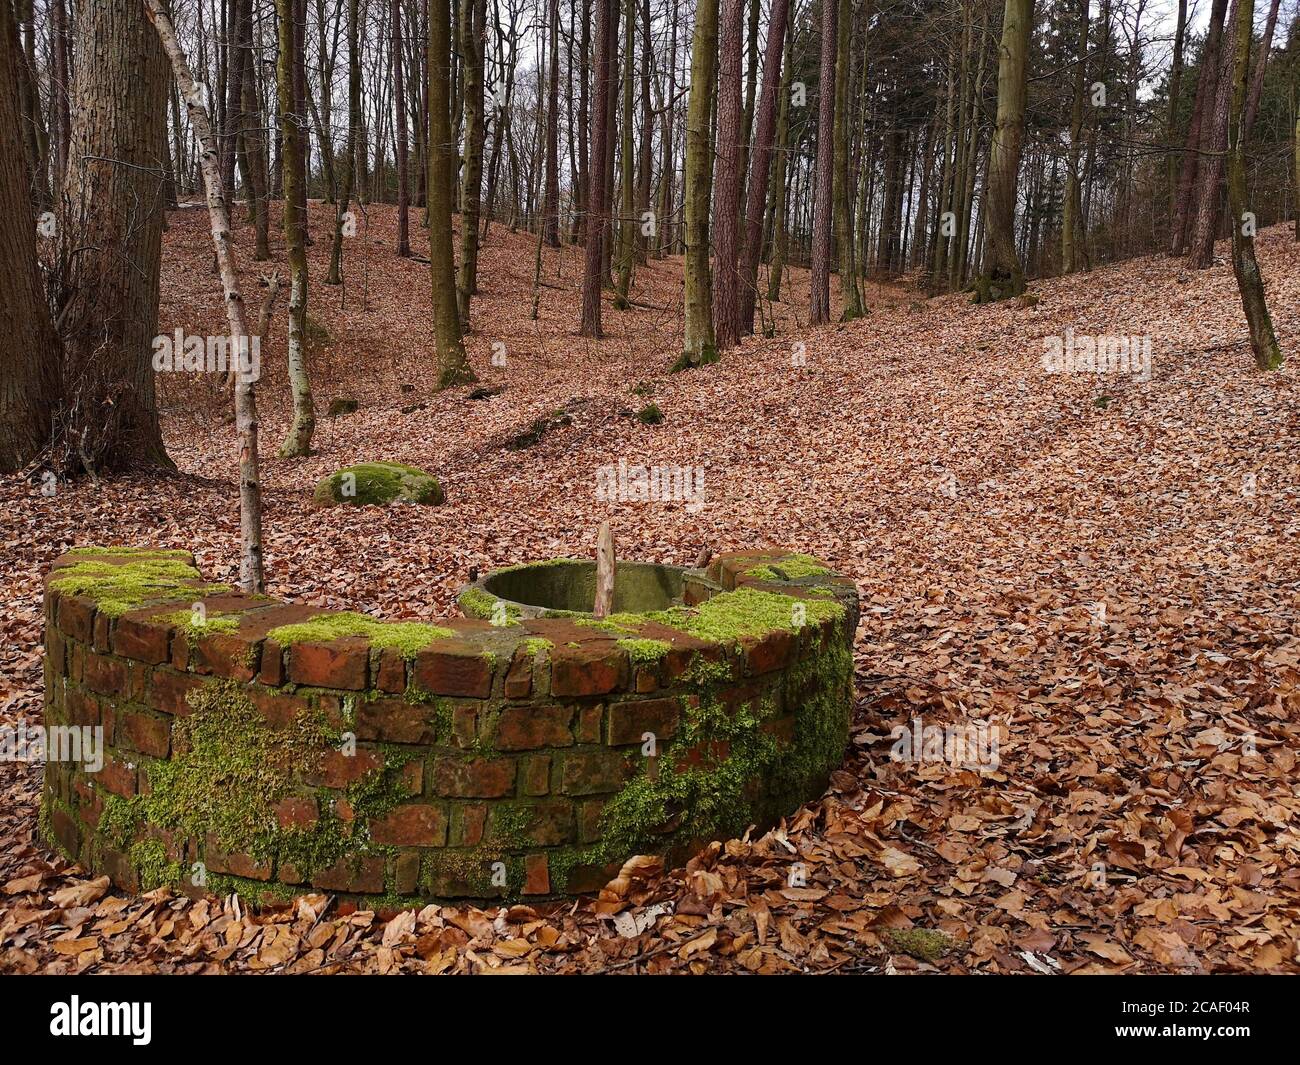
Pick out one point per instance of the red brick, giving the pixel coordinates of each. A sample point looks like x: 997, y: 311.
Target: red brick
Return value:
x: 467, y: 823
x: 118, y: 777
x: 66, y: 830
x: 535, y: 775
x: 297, y: 811
x: 338, y: 770
x: 363, y: 875
x: 406, y: 873
x: 585, y: 879
x: 225, y: 655
x: 103, y: 623
x: 279, y: 710
x: 77, y: 618
x: 142, y: 640
x: 773, y: 651
x: 594, y: 773
x: 707, y: 754
x: 473, y: 778
x: 56, y: 651
x: 646, y: 681
x: 168, y: 691
x: 390, y: 672
x: 412, y: 825
x: 272, y: 669
x: 587, y: 670
x: 444, y: 671
x: 107, y: 676
x: 144, y: 732
x: 81, y: 708
x: 628, y: 721
x: 339, y: 664
x: 216, y: 859
x: 519, y: 678
x: 589, y: 820
x: 537, y: 876
x: 525, y: 728
x: 395, y: 721
x: 549, y: 822
x: 464, y: 726
x: 589, y: 721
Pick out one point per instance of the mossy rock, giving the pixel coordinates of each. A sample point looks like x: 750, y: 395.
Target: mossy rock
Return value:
x: 650, y: 414
x: 378, y: 483
x: 340, y: 406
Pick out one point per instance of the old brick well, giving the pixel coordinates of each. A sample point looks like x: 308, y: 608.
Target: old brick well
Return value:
x: 526, y: 750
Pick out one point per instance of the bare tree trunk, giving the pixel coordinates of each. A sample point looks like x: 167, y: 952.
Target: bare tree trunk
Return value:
x: 850, y: 297
x: 453, y: 366
x: 1003, y: 275
x: 111, y: 243
x: 29, y: 348
x: 551, y: 208
x: 297, y: 441
x: 1263, y: 341
x: 760, y: 163
x: 819, y: 311
x: 343, y: 200
x: 403, y: 166
x: 250, y: 492
x: 473, y: 16
x: 726, y: 284
x: 253, y: 145
x: 1210, y: 177
x: 699, y: 344
x: 597, y: 213
x: 1184, y: 204
x: 1071, y: 229
x: 627, y: 228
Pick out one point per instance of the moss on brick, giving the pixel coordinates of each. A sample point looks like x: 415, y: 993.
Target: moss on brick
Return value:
x: 474, y: 602
x: 378, y: 483
x: 119, y: 587
x: 406, y: 637
x: 745, y: 612
x: 194, y: 630
x: 645, y: 652
x: 789, y: 568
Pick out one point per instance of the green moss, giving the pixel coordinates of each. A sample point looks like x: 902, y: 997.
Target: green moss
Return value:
x: 407, y: 637
x: 119, y: 821
x: 215, y: 623
x: 645, y: 652
x: 650, y: 414
x: 149, y: 857
x: 744, y: 612
x: 608, y: 625
x: 474, y: 602
x: 534, y: 645
x: 117, y: 588
x: 110, y: 552
x: 378, y: 483
x: 924, y: 944
x: 790, y: 568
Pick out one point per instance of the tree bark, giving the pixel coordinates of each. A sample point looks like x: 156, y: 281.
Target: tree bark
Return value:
x: 699, y: 344
x: 1071, y: 227
x: 1210, y: 176
x: 29, y: 348
x: 111, y: 240
x: 453, y: 366
x: 551, y: 207
x: 473, y: 17
x: 760, y: 162
x: 400, y: 136
x: 1003, y: 275
x: 819, y: 312
x: 250, y: 493
x: 1263, y: 341
x: 850, y: 296
x: 726, y: 282
x: 596, y: 215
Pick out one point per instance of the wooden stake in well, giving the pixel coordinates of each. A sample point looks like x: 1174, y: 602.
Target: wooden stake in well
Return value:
x: 604, y: 572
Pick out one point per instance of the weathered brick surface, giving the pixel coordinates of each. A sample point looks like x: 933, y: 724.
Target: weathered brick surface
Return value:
x: 473, y: 761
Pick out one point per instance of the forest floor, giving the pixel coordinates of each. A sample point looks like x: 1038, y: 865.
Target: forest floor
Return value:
x: 1105, y: 566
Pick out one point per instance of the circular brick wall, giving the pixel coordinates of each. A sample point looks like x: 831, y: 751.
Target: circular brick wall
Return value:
x: 273, y: 749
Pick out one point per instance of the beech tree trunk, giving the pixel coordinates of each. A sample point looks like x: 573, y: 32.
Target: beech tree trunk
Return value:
x: 111, y: 242
x: 760, y: 163
x: 1263, y: 341
x: 1071, y: 219
x: 29, y: 348
x: 453, y: 366
x: 726, y: 282
x: 1209, y: 179
x: 1003, y: 274
x: 551, y: 207
x: 473, y: 17
x: 699, y: 344
x: 596, y: 215
x: 400, y: 136
x: 843, y: 209
x: 297, y: 441
x: 819, y: 311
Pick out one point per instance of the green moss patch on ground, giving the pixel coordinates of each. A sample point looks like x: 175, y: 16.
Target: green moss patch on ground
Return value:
x: 407, y: 637
x: 923, y: 944
x: 790, y: 568
x: 378, y: 483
